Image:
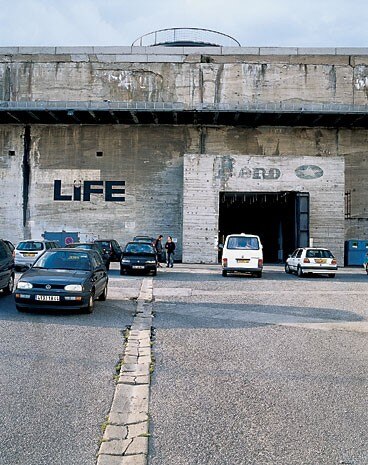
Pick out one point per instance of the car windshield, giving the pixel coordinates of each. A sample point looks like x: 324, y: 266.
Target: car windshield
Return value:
x: 243, y: 242
x: 64, y: 260
x: 320, y: 253
x: 139, y: 248
x: 82, y: 246
x: 31, y: 245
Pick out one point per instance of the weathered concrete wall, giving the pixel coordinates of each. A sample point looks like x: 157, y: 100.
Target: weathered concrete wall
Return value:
x: 226, y: 76
x: 356, y: 228
x: 150, y: 160
x: 11, y: 182
x: 205, y: 176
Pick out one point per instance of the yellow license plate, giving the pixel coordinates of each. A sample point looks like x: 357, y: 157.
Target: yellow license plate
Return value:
x: 29, y: 254
x: 242, y: 260
x: 320, y: 260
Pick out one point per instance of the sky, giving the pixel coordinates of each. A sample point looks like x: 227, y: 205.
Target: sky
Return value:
x: 256, y: 23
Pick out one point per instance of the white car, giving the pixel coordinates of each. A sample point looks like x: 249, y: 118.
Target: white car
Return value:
x: 27, y: 252
x: 311, y: 260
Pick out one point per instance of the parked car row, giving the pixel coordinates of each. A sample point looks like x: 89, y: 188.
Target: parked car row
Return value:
x: 243, y: 253
x: 72, y: 277
x: 76, y: 275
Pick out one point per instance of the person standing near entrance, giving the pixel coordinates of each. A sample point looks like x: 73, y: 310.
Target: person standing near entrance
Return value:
x: 170, y: 247
x: 159, y: 249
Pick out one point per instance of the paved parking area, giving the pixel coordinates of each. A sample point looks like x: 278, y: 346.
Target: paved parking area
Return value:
x: 259, y: 371
x: 57, y: 377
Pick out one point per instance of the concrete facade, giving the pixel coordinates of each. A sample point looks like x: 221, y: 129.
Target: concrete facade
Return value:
x: 205, y: 176
x: 147, y: 160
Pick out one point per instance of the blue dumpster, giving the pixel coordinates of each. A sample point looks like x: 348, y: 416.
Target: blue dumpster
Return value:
x: 355, y: 252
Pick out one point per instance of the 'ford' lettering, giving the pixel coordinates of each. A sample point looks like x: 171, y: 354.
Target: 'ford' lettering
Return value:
x: 259, y: 173
x: 112, y: 190
x: 309, y: 172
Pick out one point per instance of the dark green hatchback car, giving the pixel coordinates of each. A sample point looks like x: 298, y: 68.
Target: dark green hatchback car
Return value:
x: 6, y: 268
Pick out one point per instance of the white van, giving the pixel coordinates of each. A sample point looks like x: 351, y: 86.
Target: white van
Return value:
x: 242, y: 252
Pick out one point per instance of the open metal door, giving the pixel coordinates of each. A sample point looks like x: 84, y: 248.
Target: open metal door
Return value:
x: 302, y: 219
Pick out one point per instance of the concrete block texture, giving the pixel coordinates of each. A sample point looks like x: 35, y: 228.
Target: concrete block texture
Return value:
x: 210, y: 78
x: 130, y: 398
x: 150, y: 161
x: 208, y: 175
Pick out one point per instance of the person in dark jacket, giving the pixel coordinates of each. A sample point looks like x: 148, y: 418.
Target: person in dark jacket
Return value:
x: 170, y: 247
x: 159, y: 250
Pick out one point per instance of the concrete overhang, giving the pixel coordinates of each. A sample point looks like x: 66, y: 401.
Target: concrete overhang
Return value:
x: 176, y: 113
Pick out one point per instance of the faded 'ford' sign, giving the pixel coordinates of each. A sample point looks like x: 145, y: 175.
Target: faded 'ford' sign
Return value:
x: 309, y: 172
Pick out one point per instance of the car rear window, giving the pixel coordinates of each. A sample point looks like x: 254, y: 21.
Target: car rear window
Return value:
x: 243, y: 243
x: 103, y: 244
x: 30, y: 246
x: 319, y: 254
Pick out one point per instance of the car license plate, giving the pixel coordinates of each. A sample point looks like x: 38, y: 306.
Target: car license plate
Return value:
x: 138, y: 267
x: 320, y: 260
x: 48, y: 298
x: 242, y: 260
x: 29, y: 254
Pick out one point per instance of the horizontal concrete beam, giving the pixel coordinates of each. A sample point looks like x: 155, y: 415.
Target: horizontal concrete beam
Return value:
x: 134, y: 52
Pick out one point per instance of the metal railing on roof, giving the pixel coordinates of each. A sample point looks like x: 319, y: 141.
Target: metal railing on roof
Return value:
x: 186, y: 36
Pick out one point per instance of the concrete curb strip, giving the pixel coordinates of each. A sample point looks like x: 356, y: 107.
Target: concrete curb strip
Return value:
x: 125, y: 440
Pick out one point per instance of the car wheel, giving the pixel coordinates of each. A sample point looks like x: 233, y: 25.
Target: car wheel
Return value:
x: 224, y: 273
x: 89, y: 308
x: 258, y: 274
x: 154, y: 272
x: 103, y: 295
x: 331, y: 275
x: 10, y: 286
x: 287, y: 269
x: 122, y: 271
x: 299, y: 272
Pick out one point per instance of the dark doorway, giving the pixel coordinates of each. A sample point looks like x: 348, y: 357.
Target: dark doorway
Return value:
x: 281, y: 219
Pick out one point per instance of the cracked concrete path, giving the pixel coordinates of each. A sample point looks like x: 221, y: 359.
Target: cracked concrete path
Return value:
x: 125, y: 440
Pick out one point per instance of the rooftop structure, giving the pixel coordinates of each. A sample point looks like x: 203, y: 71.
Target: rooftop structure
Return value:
x: 186, y: 37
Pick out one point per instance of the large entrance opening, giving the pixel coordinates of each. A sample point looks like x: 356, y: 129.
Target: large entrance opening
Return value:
x: 281, y: 219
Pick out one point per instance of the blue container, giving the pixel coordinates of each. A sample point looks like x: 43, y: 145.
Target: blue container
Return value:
x: 63, y: 237
x: 356, y: 252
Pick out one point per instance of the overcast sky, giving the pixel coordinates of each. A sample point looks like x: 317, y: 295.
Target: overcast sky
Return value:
x: 308, y: 23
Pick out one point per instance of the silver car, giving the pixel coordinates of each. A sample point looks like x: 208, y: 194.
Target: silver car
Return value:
x: 27, y: 252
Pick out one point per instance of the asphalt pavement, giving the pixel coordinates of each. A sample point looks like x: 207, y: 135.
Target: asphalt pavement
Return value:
x: 259, y: 371
x: 57, y: 377
x: 246, y: 371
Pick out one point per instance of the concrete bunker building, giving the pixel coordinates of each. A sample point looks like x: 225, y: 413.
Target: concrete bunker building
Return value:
x: 192, y: 138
